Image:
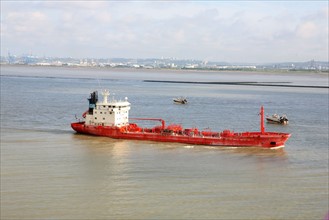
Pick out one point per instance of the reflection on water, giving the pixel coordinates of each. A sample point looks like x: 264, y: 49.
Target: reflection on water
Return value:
x: 103, y: 145
x: 259, y: 152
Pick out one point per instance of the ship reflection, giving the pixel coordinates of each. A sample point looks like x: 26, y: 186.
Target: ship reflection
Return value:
x: 103, y: 145
x: 103, y: 159
x: 108, y: 163
x: 256, y: 151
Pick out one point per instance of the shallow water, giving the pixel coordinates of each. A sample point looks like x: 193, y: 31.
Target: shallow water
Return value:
x: 48, y: 171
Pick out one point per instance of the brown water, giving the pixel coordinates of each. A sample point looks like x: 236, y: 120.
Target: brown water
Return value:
x: 48, y: 171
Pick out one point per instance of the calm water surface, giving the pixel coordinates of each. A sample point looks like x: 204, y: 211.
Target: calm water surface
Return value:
x: 48, y: 171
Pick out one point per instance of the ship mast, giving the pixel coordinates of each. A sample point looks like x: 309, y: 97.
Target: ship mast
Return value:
x: 105, y: 94
x: 262, y: 127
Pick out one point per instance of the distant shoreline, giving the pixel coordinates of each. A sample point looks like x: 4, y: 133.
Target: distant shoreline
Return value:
x: 238, y: 78
x: 271, y: 84
x: 181, y: 70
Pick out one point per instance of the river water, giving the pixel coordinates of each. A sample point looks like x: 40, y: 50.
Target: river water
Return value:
x: 49, y: 172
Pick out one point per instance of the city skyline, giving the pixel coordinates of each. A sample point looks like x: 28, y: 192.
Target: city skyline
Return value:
x: 228, y: 31
x: 162, y: 63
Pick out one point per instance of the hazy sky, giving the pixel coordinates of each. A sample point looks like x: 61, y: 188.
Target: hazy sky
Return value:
x: 232, y: 31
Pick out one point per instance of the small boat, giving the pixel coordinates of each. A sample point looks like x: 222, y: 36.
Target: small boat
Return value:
x: 277, y: 119
x: 180, y: 100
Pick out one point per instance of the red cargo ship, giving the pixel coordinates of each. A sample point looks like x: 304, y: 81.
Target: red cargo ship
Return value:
x: 110, y: 119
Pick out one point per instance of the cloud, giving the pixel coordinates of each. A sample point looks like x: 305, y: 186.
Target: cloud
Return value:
x: 306, y: 30
x: 225, y: 31
x: 26, y: 22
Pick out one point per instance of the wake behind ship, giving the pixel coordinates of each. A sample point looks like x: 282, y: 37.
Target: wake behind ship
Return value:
x: 111, y: 119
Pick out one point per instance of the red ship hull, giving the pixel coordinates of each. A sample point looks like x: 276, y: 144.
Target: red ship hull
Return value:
x: 110, y: 119
x: 187, y: 136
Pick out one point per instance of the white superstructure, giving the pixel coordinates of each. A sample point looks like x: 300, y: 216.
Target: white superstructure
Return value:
x: 107, y: 112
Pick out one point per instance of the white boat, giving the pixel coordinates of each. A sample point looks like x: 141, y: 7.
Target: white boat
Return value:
x: 277, y: 119
x: 180, y: 100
